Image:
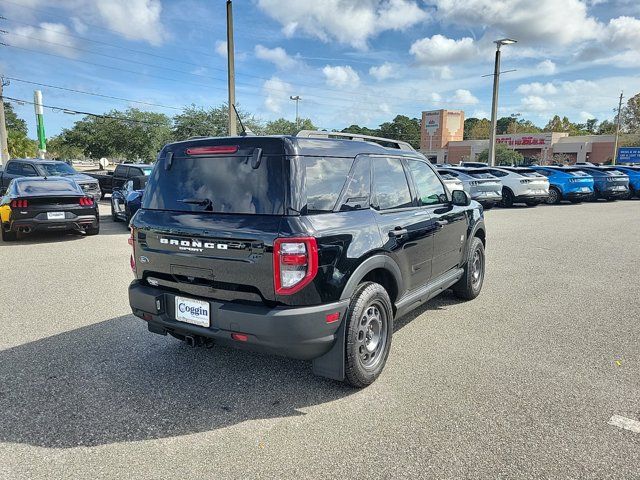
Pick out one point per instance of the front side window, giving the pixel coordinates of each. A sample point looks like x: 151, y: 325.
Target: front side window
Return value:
x: 14, y: 168
x: 430, y: 188
x: 390, y: 184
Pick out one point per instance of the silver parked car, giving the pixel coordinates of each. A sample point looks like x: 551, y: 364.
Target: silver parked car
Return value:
x: 478, y: 183
x: 451, y: 182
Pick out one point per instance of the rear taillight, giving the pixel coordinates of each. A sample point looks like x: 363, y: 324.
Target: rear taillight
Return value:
x: 525, y: 181
x: 86, y: 201
x: 132, y: 260
x: 19, y: 204
x: 295, y: 263
x: 212, y: 150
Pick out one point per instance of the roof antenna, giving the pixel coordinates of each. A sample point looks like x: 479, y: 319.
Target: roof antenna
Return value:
x: 245, y: 132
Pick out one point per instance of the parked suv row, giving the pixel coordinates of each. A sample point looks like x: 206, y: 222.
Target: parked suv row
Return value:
x: 304, y: 247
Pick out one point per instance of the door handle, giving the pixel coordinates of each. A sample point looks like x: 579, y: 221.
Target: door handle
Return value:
x: 398, y: 232
x: 442, y: 223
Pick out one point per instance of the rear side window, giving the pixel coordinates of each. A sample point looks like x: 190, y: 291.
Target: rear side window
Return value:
x: 217, y: 184
x: 391, y: 189
x: 121, y: 171
x: 324, y: 179
x: 14, y: 168
x: 358, y: 189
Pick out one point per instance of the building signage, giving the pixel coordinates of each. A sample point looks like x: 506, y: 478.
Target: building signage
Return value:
x: 524, y: 140
x: 431, y: 122
x: 628, y: 155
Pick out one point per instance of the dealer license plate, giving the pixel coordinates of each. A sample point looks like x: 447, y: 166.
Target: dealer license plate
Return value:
x: 196, y: 312
x: 55, y: 215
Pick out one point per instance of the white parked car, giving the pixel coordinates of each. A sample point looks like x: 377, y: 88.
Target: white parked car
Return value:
x: 451, y: 182
x: 521, y: 185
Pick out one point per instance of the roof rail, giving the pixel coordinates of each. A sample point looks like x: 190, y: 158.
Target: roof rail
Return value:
x: 385, y: 142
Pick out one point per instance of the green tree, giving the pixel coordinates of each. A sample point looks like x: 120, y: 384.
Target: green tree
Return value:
x: 606, y: 127
x: 197, y: 121
x: 57, y: 149
x: 504, y: 156
x: 13, y: 122
x: 557, y: 124
x: 631, y: 115
x: 402, y: 128
x: 282, y: 126
x: 20, y: 146
x: 480, y: 130
x: 469, y: 123
x: 357, y: 129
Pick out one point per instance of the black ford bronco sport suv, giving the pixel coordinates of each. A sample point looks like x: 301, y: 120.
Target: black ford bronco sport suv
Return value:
x: 303, y: 247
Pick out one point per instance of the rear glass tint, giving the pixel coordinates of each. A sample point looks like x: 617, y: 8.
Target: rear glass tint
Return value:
x: 480, y: 174
x: 218, y: 184
x: 324, y: 179
x: 46, y: 187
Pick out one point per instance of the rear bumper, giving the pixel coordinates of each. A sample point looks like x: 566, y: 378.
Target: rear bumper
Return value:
x: 301, y: 332
x: 613, y: 193
x: 78, y: 223
x: 578, y: 195
x: 531, y: 198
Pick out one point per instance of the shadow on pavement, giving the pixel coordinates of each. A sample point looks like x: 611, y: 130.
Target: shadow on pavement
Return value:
x: 115, y: 382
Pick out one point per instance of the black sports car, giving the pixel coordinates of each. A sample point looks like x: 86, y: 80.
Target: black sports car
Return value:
x: 126, y: 200
x: 47, y: 203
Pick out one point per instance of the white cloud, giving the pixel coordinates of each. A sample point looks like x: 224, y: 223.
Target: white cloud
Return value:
x: 50, y: 37
x: 550, y: 22
x: 221, y: 48
x: 533, y: 103
x: 464, y: 97
x: 341, y: 76
x: 385, y: 108
x: 276, y: 93
x: 537, y: 88
x: 623, y: 32
x: 584, y: 116
x: 546, y: 67
x: 445, y: 72
x: 79, y: 26
x: 436, y: 97
x: 133, y: 19
x: 278, y: 56
x: 384, y: 71
x: 440, y: 50
x: 347, y: 21
x: 480, y: 114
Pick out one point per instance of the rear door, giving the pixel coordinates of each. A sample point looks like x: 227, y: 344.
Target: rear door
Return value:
x: 120, y: 176
x: 209, y: 220
x: 407, y: 229
x: 449, y: 221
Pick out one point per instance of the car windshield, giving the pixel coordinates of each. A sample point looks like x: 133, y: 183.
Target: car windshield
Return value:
x: 57, y: 169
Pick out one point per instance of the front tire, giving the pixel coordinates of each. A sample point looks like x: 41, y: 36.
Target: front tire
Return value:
x: 469, y: 286
x: 369, y: 329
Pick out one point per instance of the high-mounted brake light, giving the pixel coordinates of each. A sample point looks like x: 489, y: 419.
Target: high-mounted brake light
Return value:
x: 212, y: 150
x: 19, y: 204
x: 86, y: 201
x: 295, y: 263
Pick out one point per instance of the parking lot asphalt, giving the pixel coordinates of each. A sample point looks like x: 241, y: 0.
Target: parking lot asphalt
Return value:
x: 520, y: 383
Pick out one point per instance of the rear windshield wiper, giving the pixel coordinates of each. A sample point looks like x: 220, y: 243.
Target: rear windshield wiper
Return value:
x: 201, y: 202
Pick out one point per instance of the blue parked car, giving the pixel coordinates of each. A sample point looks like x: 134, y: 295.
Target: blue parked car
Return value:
x: 126, y: 201
x: 566, y: 183
x: 633, y: 173
x: 610, y: 183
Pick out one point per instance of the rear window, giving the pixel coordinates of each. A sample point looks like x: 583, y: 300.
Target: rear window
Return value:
x: 46, y: 187
x: 480, y: 174
x: 57, y: 169
x: 218, y: 184
x: 578, y: 173
x: 529, y: 173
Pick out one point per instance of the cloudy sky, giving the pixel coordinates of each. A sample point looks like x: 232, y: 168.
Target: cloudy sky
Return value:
x: 351, y: 61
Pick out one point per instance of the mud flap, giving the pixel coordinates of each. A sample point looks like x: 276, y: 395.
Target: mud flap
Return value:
x: 331, y: 364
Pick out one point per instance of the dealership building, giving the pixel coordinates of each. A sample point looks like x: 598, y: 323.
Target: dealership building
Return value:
x: 441, y: 140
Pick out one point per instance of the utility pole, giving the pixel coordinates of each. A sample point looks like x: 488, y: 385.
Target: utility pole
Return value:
x: 615, y: 144
x: 4, y: 148
x: 297, y: 99
x: 233, y: 130
x: 42, y: 140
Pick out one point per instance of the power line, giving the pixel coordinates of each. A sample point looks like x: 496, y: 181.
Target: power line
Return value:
x: 94, y: 94
x: 80, y: 112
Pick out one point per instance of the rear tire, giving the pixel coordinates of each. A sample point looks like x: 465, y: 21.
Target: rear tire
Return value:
x: 507, y: 198
x: 554, y: 196
x: 8, y: 236
x: 532, y: 204
x: 369, y: 329
x: 114, y: 217
x: 469, y: 286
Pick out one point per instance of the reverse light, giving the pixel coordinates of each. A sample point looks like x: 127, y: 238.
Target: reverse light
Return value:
x: 295, y: 263
x: 212, y: 150
x: 19, y: 204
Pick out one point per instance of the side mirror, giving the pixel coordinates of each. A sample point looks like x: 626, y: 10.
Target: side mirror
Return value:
x: 460, y: 198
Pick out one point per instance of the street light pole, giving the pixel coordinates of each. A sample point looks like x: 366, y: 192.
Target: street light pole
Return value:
x: 494, y: 102
x: 297, y: 99
x: 615, y: 145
